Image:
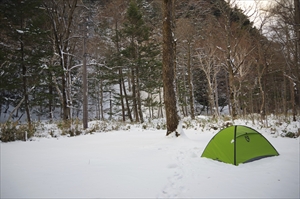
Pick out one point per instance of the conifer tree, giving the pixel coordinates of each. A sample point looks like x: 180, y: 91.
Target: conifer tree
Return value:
x: 140, y: 54
x: 24, y: 41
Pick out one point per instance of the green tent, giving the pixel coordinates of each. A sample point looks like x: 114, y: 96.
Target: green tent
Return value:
x: 238, y: 144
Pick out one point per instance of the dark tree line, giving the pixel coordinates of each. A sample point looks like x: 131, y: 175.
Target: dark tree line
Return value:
x: 139, y: 63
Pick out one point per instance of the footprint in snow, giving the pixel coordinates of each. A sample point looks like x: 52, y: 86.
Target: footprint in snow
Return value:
x: 175, y: 187
x: 172, y: 166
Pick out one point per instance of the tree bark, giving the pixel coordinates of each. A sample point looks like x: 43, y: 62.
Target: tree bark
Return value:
x: 24, y: 77
x: 191, y: 88
x: 169, y: 84
x: 121, y: 94
x: 127, y: 101
x: 134, y: 95
x: 85, y: 88
x: 297, y: 58
x: 138, y: 96
x: 120, y: 69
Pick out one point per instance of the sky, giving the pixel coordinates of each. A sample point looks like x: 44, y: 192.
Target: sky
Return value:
x: 253, y: 8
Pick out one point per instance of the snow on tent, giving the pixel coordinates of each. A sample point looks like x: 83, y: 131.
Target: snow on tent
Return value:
x: 238, y: 144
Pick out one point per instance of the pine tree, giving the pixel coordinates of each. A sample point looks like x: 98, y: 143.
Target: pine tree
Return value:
x: 24, y: 40
x: 140, y: 54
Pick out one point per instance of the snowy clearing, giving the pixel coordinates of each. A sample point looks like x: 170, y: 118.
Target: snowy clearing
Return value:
x: 139, y: 163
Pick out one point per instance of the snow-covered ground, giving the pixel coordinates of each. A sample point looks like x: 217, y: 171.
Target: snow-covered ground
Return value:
x: 144, y: 163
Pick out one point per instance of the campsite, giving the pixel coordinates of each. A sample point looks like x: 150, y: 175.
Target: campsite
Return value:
x: 238, y: 144
x: 139, y: 161
x: 149, y: 99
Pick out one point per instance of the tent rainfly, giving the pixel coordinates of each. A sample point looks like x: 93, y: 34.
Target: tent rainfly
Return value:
x: 238, y: 144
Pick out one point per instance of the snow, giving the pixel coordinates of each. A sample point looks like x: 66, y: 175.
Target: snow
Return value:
x: 144, y: 163
x: 20, y: 31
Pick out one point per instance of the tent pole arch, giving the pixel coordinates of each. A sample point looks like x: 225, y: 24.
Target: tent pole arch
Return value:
x: 234, y: 148
x: 238, y: 144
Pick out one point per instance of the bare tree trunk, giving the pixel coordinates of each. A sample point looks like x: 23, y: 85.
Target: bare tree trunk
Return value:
x: 24, y: 74
x: 110, y: 106
x: 170, y: 98
x: 65, y: 108
x: 134, y: 96
x: 61, y: 14
x: 183, y: 94
x: 150, y: 107
x: 121, y: 94
x: 232, y: 94
x: 127, y: 102
x: 262, y: 103
x: 85, y: 88
x: 25, y: 93
x: 292, y: 88
x: 160, y: 109
x: 101, y: 100
x: 297, y: 57
x: 228, y: 93
x: 190, y: 81
x: 261, y: 89
x: 290, y: 74
x: 120, y: 70
x: 216, y: 94
x: 138, y: 96
x: 284, y: 93
x: 50, y: 100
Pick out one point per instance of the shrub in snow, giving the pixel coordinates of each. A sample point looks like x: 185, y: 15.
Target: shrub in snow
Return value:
x: 290, y: 134
x: 144, y: 126
x: 8, y: 132
x: 12, y: 131
x: 70, y: 127
x: 187, y: 124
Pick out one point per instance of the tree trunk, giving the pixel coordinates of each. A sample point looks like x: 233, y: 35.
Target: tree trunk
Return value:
x: 138, y: 96
x: 294, y: 112
x: 85, y: 88
x: 211, y: 99
x: 191, y: 88
x: 65, y: 107
x: 120, y: 71
x: 24, y: 73
x: 62, y: 29
x: 169, y: 85
x: 216, y: 96
x: 232, y: 94
x: 228, y: 93
x: 50, y: 99
x: 101, y: 100
x: 297, y: 57
x: 25, y: 93
x: 121, y: 94
x: 127, y: 102
x: 160, y: 109
x: 134, y: 94
x: 262, y: 102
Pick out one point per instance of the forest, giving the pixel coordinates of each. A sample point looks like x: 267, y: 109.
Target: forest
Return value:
x: 103, y: 59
